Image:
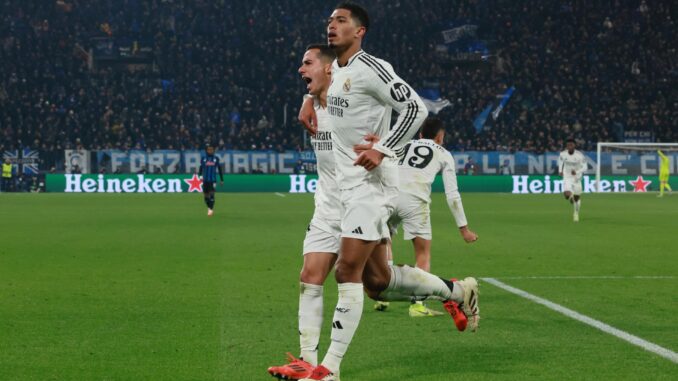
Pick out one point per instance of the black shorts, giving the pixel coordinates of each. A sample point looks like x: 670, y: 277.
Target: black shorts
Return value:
x: 208, y: 186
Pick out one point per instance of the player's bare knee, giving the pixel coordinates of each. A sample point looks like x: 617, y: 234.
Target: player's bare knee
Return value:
x: 312, y: 276
x: 567, y: 195
x: 345, y: 272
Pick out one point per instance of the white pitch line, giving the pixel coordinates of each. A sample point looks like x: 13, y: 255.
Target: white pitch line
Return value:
x: 588, y: 277
x: 635, y: 340
x: 279, y: 194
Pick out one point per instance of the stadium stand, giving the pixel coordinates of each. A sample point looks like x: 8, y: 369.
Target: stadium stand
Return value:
x: 225, y: 71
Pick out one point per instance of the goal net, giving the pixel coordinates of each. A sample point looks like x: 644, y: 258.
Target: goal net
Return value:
x: 633, y: 159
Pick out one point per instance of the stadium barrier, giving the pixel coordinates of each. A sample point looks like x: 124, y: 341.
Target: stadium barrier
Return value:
x: 240, y: 162
x: 182, y: 183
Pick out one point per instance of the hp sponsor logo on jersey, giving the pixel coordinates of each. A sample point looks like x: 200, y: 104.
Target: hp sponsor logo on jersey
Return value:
x: 400, y: 92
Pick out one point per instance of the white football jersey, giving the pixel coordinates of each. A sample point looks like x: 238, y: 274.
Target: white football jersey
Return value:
x: 422, y: 161
x: 327, y: 203
x: 575, y: 162
x: 360, y: 100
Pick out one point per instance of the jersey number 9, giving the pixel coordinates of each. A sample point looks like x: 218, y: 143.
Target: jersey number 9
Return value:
x: 420, y: 158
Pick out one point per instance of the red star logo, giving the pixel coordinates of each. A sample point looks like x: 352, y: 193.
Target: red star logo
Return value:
x: 640, y: 185
x: 194, y: 184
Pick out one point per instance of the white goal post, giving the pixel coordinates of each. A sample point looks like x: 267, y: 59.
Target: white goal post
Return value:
x: 628, y: 147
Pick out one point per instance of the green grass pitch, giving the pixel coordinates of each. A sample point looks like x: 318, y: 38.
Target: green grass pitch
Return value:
x: 146, y: 287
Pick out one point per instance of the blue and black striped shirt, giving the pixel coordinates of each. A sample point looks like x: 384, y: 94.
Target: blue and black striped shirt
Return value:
x: 209, y: 165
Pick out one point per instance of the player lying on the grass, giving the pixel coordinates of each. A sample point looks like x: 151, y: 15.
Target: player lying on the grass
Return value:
x: 422, y: 161
x: 321, y: 244
x: 361, y: 96
x: 571, y: 166
x: 663, y: 174
x: 209, y: 165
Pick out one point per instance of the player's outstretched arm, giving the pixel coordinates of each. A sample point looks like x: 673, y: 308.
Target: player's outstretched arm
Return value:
x: 454, y: 199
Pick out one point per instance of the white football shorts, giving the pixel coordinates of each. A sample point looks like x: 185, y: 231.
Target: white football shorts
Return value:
x: 572, y: 184
x: 322, y: 236
x: 366, y: 210
x: 415, y: 216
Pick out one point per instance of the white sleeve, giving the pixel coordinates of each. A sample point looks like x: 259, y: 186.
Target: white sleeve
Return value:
x: 452, y: 191
x: 560, y: 165
x: 386, y: 86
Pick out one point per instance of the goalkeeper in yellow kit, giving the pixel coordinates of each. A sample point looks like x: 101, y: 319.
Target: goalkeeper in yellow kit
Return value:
x: 663, y: 174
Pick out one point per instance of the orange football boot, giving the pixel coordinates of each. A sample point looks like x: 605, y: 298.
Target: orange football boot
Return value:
x: 295, y: 370
x: 459, y: 317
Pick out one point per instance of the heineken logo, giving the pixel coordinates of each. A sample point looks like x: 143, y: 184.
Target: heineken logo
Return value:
x: 118, y: 184
x: 299, y: 184
x: 308, y: 183
x: 546, y: 185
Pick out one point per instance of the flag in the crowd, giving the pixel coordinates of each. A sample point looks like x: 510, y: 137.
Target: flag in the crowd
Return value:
x: 26, y: 160
x: 455, y: 34
x: 30, y: 160
x: 480, y: 120
x: 504, y: 100
x: 431, y: 98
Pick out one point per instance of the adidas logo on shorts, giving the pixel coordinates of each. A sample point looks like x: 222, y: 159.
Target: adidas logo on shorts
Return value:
x: 358, y: 230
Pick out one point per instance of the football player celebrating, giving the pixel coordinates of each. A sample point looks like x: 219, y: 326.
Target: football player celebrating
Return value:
x: 321, y: 245
x: 363, y: 92
x: 422, y: 160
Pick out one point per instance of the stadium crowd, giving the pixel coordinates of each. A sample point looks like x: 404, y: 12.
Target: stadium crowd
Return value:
x: 225, y: 71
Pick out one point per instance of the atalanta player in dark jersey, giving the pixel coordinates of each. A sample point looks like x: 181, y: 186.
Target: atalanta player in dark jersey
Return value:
x: 209, y: 166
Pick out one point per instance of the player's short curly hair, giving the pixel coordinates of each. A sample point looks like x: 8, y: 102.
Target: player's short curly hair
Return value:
x: 358, y: 13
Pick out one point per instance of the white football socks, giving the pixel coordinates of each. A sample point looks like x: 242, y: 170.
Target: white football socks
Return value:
x: 344, y: 323
x: 577, y: 205
x: 310, y: 321
x: 409, y: 283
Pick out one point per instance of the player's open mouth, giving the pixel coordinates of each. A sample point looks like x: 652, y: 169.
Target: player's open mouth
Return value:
x: 331, y: 34
x: 308, y: 81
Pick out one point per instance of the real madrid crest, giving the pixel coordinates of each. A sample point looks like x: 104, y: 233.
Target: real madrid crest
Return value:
x: 347, y: 85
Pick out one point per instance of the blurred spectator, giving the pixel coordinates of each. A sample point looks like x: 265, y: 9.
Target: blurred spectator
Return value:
x: 505, y: 168
x: 470, y: 167
x: 299, y: 168
x: 7, y: 176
